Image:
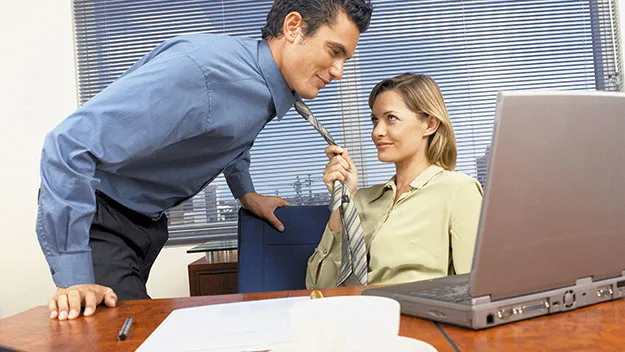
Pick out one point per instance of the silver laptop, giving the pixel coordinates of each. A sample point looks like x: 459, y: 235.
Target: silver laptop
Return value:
x: 552, y: 228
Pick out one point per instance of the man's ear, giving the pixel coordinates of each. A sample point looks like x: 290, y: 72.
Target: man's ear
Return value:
x: 431, y: 125
x: 292, y: 26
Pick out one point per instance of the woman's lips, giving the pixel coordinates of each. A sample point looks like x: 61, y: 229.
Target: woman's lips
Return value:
x: 383, y: 145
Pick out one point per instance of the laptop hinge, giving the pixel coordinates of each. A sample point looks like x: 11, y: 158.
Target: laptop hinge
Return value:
x: 480, y: 300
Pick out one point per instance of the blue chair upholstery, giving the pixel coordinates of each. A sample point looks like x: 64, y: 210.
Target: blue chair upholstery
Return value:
x: 270, y: 260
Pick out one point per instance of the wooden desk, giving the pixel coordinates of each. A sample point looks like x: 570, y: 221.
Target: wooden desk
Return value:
x: 34, y: 331
x: 596, y: 328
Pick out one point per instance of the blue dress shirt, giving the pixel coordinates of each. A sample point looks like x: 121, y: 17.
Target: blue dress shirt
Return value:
x: 186, y: 112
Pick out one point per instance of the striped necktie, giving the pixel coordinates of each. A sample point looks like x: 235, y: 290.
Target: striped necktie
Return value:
x: 354, y: 264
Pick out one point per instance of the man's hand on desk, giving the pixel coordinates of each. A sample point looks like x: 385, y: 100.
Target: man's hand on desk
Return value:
x: 67, y: 302
x: 264, y: 206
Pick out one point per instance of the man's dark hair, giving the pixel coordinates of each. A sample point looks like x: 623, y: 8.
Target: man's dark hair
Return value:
x: 316, y: 13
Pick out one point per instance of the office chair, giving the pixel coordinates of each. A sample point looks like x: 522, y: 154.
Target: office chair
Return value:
x: 270, y: 260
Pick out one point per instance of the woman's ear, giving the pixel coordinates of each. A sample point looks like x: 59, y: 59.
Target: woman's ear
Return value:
x: 292, y: 26
x: 431, y: 125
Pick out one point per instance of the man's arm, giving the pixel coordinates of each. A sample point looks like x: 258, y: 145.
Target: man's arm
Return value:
x: 151, y: 107
x: 240, y: 182
x: 238, y: 175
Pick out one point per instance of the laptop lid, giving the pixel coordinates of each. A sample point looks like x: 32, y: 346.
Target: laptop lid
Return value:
x: 554, y: 207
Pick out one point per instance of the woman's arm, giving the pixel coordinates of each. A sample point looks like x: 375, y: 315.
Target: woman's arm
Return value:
x: 324, y: 263
x: 465, y: 214
x: 339, y: 168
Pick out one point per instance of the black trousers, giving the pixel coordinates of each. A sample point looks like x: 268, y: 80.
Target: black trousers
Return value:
x: 124, y: 245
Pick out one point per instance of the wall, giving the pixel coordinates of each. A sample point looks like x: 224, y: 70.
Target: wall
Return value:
x: 621, y: 9
x: 169, y: 277
x: 37, y: 91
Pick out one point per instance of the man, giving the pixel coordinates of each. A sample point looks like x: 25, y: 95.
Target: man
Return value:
x: 187, y: 111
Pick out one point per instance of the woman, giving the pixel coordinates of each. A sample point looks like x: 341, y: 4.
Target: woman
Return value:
x: 422, y: 223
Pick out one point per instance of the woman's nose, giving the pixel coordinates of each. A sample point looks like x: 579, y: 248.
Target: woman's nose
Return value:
x: 379, y: 129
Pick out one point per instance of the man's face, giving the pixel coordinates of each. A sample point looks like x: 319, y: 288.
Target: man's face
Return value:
x: 310, y: 63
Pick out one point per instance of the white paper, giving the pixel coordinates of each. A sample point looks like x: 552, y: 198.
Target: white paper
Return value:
x: 242, y: 326
x: 273, y: 325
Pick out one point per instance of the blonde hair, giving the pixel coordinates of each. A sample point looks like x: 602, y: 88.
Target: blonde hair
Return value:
x: 423, y: 96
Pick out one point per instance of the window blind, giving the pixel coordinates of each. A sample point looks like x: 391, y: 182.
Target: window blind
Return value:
x: 473, y: 49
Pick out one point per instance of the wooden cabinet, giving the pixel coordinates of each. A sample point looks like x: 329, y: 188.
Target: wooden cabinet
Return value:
x: 214, y: 274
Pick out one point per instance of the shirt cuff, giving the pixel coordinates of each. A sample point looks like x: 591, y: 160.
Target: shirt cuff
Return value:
x: 325, y: 245
x: 240, y: 184
x: 72, y: 269
x: 322, y: 270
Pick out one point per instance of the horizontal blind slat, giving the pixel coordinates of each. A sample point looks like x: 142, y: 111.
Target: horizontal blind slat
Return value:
x: 473, y: 49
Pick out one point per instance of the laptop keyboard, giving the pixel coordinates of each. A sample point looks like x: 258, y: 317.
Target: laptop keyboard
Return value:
x: 451, y: 293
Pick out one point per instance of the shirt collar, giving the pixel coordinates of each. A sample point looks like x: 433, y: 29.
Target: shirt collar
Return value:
x: 426, y: 176
x: 418, y: 183
x: 282, y: 96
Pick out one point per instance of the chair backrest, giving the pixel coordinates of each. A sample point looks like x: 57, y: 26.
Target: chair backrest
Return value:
x: 270, y: 260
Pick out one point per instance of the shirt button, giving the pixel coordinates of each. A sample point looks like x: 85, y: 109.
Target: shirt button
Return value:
x: 324, y: 251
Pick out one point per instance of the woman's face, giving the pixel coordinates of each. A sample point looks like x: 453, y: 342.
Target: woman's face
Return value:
x: 398, y: 132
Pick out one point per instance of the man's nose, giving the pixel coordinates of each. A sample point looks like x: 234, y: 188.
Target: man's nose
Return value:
x: 336, y: 70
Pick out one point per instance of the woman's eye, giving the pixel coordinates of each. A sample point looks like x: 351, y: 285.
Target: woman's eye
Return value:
x: 374, y: 120
x: 392, y: 117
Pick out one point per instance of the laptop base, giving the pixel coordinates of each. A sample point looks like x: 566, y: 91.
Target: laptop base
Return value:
x: 480, y: 312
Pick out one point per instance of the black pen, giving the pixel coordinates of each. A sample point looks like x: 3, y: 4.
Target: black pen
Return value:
x: 123, y: 333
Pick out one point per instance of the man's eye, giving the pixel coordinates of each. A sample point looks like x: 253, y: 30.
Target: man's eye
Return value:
x: 392, y: 117
x: 334, y: 51
x: 374, y: 120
